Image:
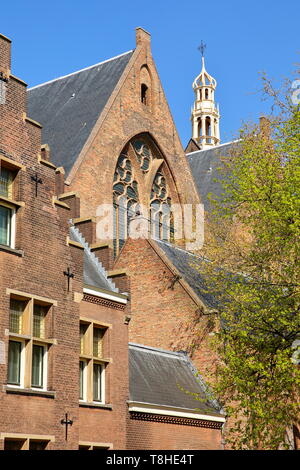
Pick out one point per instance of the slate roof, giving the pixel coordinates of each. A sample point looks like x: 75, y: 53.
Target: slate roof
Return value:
x: 161, y: 377
x: 94, y: 274
x: 204, y: 165
x: 186, y: 263
x: 68, y: 107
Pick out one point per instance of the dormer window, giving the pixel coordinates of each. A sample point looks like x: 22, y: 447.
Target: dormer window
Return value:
x: 144, y: 94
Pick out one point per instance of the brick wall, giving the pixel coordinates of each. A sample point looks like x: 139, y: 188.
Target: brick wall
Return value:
x: 163, y: 315
x: 100, y: 424
x: 124, y: 117
x: 155, y: 435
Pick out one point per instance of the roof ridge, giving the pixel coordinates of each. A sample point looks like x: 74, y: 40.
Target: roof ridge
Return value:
x: 81, y: 70
x: 177, y: 354
x: 215, y: 146
x: 171, y: 245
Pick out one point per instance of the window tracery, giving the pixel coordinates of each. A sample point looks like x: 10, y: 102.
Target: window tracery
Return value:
x: 161, y: 218
x: 125, y: 200
x: 143, y: 153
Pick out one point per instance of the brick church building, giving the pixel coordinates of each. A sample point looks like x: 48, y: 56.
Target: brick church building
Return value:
x: 101, y: 337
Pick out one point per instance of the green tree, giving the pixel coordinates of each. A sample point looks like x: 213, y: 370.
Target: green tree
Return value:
x: 254, y: 272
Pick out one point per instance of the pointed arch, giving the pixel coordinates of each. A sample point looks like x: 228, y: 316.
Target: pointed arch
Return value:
x: 125, y: 200
x: 142, y: 178
x: 145, y: 86
x: 160, y: 209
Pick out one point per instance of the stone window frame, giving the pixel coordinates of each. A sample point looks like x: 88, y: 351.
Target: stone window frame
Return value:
x: 8, y: 200
x: 27, y: 340
x: 95, y: 445
x: 26, y: 438
x: 89, y: 359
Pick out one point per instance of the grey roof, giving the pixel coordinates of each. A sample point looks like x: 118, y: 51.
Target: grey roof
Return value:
x: 162, y: 377
x: 205, y: 165
x: 94, y: 273
x: 186, y: 263
x: 69, y: 107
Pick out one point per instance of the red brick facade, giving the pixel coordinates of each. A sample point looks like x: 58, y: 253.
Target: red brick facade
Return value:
x: 165, y: 313
x: 34, y: 267
x: 124, y: 117
x: 156, y: 433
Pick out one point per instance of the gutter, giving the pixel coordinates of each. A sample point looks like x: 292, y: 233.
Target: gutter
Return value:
x: 141, y: 407
x: 104, y: 294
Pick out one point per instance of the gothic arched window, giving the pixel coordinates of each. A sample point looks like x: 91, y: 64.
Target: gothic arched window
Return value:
x: 161, y: 219
x: 125, y: 200
x: 132, y: 183
x: 145, y: 86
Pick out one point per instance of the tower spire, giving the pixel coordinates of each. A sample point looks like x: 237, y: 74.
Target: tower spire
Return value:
x: 205, y: 114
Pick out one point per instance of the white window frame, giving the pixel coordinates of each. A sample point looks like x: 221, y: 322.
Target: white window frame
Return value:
x: 84, y: 380
x: 102, y: 382
x: 12, y: 225
x: 22, y: 364
x: 45, y: 365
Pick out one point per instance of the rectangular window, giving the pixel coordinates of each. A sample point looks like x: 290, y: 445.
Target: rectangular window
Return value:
x: 93, y: 347
x: 83, y: 330
x: 16, y: 311
x: 30, y: 327
x: 27, y: 443
x: 39, y: 317
x: 14, y: 444
x: 97, y: 382
x: 14, y: 362
x: 5, y: 225
x: 37, y: 377
x: 37, y: 445
x: 82, y: 379
x: 97, y: 341
x: 6, y: 179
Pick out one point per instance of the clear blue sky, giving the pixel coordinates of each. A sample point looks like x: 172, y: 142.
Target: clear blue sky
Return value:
x: 54, y: 38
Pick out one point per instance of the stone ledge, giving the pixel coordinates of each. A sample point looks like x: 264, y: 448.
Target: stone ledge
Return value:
x: 96, y: 405
x: 13, y: 251
x: 30, y: 391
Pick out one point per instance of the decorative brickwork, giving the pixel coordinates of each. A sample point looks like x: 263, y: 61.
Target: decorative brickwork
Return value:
x: 99, y: 301
x: 176, y: 420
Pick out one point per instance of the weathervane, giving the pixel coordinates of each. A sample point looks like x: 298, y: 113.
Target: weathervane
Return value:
x: 202, y: 48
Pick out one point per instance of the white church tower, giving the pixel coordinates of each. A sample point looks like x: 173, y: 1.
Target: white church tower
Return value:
x: 205, y: 114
